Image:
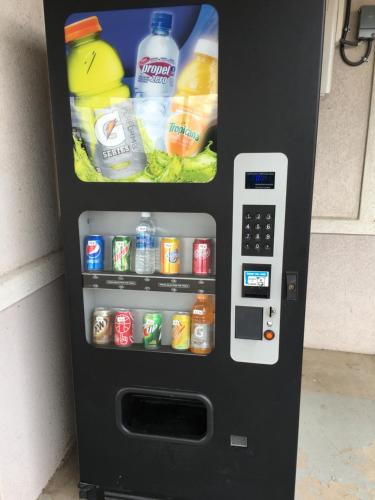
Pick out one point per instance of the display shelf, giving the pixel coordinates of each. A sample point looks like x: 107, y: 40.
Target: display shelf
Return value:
x: 164, y: 349
x: 186, y: 283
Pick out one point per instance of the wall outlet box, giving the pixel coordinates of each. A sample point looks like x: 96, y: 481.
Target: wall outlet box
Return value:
x: 366, y: 25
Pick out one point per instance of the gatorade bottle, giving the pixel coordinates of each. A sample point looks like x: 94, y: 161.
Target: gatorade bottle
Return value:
x: 195, y: 104
x: 102, y: 113
x: 202, y: 325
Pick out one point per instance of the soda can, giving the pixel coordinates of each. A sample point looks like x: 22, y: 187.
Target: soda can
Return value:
x: 181, y: 322
x: 102, y: 326
x: 202, y: 256
x: 94, y: 252
x: 170, y: 256
x: 123, y: 326
x: 121, y: 247
x: 152, y: 324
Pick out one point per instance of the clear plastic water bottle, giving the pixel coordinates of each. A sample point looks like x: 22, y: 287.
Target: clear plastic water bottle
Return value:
x: 157, y: 60
x: 155, y: 78
x: 145, y: 245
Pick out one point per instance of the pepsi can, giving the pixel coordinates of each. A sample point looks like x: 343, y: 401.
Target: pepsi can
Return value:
x: 94, y: 252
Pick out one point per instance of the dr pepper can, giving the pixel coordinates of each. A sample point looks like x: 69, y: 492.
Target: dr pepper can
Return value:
x: 202, y: 256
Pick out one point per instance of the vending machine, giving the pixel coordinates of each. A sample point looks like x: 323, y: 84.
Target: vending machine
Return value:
x: 185, y: 140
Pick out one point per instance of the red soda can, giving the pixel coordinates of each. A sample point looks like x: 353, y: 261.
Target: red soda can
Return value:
x: 202, y: 256
x: 123, y: 326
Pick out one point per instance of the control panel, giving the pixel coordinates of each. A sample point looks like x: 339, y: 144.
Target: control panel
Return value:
x: 258, y: 229
x: 259, y: 198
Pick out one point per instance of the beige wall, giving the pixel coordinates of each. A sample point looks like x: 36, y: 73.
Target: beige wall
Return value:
x: 341, y: 290
x: 35, y: 388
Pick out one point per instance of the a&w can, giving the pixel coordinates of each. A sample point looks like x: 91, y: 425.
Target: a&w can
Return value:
x: 102, y: 326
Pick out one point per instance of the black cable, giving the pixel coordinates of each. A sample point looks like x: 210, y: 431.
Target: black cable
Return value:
x: 363, y: 59
x: 346, y: 43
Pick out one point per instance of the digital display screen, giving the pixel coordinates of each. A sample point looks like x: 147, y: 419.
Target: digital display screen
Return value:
x: 256, y: 279
x: 260, y: 180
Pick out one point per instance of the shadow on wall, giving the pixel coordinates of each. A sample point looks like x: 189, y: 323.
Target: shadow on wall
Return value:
x: 29, y: 189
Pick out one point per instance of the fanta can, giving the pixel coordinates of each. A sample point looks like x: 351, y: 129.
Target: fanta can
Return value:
x: 170, y: 255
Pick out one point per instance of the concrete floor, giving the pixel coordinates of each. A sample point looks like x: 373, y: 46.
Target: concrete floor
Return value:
x: 337, y: 432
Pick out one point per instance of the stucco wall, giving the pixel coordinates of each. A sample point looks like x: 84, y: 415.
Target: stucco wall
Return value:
x: 35, y: 388
x: 35, y: 393
x: 341, y: 289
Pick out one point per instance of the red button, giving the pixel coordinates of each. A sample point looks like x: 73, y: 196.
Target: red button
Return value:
x: 269, y: 335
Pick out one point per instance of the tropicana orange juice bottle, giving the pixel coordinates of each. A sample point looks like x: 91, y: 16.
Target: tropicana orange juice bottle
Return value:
x: 202, y: 325
x: 194, y: 107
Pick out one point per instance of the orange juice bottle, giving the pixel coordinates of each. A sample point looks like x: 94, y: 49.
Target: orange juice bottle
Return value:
x: 194, y: 107
x: 202, y: 325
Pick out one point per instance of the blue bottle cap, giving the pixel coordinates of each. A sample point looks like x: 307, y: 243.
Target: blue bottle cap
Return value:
x: 161, y: 21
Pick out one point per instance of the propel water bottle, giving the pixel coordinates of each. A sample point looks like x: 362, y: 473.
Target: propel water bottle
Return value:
x: 155, y: 77
x: 102, y: 113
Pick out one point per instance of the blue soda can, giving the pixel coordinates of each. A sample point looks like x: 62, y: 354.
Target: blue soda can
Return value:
x: 94, y: 252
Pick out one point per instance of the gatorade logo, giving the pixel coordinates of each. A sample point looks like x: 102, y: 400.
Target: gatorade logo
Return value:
x: 109, y: 130
x: 155, y: 67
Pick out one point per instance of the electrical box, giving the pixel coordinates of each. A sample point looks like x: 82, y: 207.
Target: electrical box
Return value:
x: 366, y: 29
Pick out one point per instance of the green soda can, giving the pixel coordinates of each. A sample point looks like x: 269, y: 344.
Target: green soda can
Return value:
x: 152, y: 323
x: 121, y: 246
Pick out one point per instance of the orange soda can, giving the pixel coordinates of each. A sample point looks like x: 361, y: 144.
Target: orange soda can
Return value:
x: 170, y: 255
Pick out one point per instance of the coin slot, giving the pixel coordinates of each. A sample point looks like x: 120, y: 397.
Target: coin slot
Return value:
x: 165, y: 415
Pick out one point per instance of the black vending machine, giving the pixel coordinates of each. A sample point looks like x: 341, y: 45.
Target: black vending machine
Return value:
x: 185, y: 140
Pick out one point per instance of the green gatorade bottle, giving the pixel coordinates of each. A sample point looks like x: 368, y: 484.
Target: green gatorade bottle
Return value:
x: 102, y: 113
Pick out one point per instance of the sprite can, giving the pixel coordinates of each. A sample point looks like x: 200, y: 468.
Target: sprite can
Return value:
x: 152, y: 323
x: 121, y: 253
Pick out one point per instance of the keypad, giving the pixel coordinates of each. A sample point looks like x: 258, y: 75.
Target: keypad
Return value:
x: 258, y: 230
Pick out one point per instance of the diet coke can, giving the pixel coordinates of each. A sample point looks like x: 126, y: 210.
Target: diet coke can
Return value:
x: 123, y: 326
x: 202, y: 256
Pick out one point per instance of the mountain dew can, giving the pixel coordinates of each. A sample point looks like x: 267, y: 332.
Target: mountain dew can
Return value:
x: 152, y: 323
x: 121, y: 246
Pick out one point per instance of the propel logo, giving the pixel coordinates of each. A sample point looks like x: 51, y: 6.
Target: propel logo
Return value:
x: 155, y: 68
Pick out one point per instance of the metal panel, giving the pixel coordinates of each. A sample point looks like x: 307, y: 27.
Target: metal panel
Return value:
x: 245, y: 350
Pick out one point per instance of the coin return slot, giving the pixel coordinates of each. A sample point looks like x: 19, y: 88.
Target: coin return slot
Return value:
x: 165, y: 415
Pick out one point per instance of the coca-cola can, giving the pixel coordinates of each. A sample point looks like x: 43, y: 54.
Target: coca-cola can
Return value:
x: 123, y: 326
x: 202, y: 256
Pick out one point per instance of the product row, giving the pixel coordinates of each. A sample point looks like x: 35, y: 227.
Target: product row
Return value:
x: 192, y: 331
x: 145, y: 252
